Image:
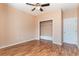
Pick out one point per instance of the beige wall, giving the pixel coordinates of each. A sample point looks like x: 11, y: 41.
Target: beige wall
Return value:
x: 15, y: 26
x: 56, y: 16
x: 70, y: 13
x: 3, y: 17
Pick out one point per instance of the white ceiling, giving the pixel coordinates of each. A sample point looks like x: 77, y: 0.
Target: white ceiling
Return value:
x: 53, y: 6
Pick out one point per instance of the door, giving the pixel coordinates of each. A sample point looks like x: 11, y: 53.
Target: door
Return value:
x: 70, y: 30
x: 46, y: 30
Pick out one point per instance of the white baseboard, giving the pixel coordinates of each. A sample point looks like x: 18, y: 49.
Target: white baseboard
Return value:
x: 16, y: 43
x: 78, y: 46
x: 46, y: 37
x: 57, y: 43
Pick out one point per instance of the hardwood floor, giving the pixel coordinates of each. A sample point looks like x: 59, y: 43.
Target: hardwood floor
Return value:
x: 40, y: 48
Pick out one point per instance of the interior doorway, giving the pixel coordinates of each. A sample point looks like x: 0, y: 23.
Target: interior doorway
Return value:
x: 46, y: 28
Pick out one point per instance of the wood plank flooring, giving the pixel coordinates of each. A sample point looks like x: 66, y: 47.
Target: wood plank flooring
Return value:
x: 40, y: 48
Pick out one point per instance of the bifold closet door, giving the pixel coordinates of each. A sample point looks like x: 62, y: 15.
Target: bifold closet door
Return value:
x: 70, y: 30
x: 46, y: 30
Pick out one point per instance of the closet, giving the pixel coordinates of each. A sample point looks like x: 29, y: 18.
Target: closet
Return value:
x: 46, y: 29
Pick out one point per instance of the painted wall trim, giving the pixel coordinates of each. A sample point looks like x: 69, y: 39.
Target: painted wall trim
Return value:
x: 16, y: 43
x: 57, y: 43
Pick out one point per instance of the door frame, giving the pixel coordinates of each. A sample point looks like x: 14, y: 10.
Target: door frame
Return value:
x: 40, y: 28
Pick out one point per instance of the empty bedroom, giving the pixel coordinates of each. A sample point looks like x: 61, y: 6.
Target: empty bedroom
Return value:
x: 39, y: 29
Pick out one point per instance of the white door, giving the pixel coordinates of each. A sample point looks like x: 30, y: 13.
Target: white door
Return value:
x: 70, y: 30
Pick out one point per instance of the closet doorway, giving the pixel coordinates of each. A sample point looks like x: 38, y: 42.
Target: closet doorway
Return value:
x: 46, y: 30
